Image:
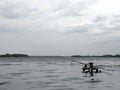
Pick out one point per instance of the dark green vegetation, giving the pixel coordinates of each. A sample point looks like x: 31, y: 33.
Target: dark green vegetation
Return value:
x: 107, y: 55
x: 14, y: 55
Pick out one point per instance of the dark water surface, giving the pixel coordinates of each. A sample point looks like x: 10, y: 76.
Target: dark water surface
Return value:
x: 57, y: 73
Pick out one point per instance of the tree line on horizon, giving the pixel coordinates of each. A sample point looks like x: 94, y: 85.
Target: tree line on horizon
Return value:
x: 14, y: 55
x: 106, y: 55
x: 25, y: 55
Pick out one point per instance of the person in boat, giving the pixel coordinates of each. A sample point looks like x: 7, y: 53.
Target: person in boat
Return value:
x: 93, y: 69
x: 85, y: 68
x: 90, y: 68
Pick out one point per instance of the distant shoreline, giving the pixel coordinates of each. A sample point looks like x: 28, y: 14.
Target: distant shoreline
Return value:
x: 75, y: 56
x: 14, y: 55
x: 108, y: 55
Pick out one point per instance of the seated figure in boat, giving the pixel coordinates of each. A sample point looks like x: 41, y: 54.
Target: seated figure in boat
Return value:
x: 90, y: 68
x: 85, y: 69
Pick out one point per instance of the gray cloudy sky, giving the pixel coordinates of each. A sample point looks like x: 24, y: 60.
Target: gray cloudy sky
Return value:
x: 60, y: 27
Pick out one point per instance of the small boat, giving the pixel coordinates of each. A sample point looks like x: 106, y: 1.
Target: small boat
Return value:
x: 90, y: 68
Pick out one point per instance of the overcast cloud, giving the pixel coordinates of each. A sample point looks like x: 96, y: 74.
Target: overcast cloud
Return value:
x: 59, y: 27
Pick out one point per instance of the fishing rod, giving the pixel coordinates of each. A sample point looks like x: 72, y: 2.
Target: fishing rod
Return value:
x: 106, y: 72
x: 79, y: 62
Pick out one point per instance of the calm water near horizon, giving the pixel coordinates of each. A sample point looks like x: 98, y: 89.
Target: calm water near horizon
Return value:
x: 57, y: 73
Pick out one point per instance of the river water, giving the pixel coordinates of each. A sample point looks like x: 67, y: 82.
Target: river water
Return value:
x: 57, y: 73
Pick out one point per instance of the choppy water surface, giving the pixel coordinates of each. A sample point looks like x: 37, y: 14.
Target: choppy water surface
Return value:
x: 57, y: 73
